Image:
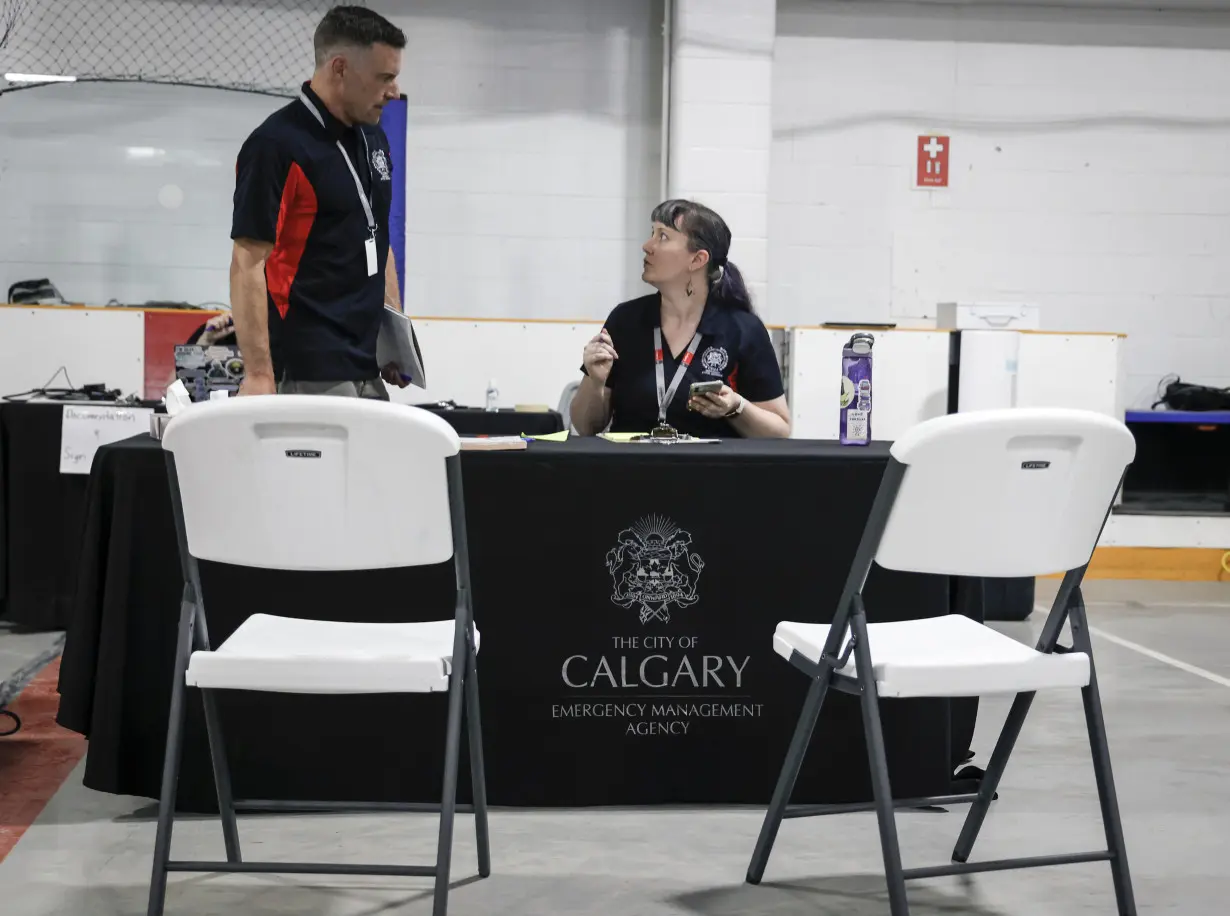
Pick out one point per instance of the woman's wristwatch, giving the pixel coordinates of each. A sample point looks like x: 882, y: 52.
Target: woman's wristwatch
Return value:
x: 738, y: 409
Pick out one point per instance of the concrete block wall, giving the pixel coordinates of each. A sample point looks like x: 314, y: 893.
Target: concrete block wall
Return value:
x: 720, y: 125
x: 533, y: 152
x: 533, y: 148
x: 1090, y: 157
x: 1090, y: 172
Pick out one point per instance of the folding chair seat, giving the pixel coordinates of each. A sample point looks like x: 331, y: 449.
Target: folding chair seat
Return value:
x: 942, y: 657
x: 290, y: 655
x: 989, y: 494
x: 317, y: 489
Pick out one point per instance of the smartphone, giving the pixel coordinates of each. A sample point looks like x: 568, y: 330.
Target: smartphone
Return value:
x: 712, y: 387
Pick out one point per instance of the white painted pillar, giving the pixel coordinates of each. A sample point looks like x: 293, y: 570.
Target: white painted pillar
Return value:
x: 721, y: 121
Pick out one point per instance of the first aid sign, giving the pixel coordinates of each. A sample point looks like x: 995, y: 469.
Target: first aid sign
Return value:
x: 932, y: 161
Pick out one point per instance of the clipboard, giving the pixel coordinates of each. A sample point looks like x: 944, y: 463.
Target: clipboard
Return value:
x: 396, y: 343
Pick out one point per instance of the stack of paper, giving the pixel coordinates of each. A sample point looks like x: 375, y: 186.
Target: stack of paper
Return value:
x: 645, y: 438
x: 492, y: 443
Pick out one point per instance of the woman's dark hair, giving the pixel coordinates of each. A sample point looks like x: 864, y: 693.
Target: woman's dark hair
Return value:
x: 195, y: 336
x: 707, y: 231
x: 226, y: 340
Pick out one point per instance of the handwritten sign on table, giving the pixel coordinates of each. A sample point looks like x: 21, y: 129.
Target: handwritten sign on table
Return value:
x: 83, y: 428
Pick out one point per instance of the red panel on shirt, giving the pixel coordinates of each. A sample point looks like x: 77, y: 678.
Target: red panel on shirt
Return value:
x: 295, y: 218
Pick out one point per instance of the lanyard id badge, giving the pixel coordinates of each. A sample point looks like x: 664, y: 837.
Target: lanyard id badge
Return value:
x: 369, y: 246
x: 369, y: 251
x: 666, y: 395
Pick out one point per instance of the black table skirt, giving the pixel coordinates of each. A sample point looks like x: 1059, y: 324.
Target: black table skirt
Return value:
x: 775, y: 525
x: 474, y: 421
x: 41, y: 513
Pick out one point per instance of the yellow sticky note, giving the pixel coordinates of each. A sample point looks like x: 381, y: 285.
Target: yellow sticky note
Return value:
x: 561, y: 436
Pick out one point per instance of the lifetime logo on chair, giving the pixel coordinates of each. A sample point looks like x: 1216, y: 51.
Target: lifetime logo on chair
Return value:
x: 302, y: 453
x: 1035, y: 465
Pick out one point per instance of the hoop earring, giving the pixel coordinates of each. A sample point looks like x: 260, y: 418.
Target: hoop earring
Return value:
x: 689, y: 287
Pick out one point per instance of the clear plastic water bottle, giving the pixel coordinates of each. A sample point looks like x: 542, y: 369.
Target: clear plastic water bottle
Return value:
x: 493, y: 396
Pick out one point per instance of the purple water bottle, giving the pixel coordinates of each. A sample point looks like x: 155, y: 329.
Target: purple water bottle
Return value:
x: 856, y: 390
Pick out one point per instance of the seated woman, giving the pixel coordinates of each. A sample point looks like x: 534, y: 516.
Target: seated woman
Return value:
x: 698, y: 327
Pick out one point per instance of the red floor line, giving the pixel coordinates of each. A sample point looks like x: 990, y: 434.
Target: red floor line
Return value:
x: 34, y: 762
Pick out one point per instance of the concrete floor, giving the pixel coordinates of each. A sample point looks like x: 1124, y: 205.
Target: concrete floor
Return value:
x: 1164, y: 668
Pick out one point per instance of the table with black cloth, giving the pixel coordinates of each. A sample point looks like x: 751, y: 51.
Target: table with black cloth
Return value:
x: 41, y: 509
x: 474, y: 421
x: 586, y: 700
x: 40, y: 517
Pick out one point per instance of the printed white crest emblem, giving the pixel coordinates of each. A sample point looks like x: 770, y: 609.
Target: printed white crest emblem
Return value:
x: 380, y: 162
x: 653, y: 568
x: 714, y: 361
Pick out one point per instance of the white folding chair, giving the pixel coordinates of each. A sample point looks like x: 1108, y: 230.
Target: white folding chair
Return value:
x: 1003, y: 493
x: 565, y: 403
x: 318, y: 483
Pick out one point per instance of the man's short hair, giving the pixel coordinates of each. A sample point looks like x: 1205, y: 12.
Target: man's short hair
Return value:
x: 354, y: 27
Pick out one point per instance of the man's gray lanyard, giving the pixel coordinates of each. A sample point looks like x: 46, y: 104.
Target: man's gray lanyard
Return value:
x: 367, y: 204
x: 666, y: 395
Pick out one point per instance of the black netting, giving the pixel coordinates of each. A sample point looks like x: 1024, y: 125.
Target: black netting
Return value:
x: 248, y: 45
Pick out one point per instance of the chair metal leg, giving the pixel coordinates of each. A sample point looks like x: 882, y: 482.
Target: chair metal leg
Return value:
x: 990, y: 780
x: 1111, y: 823
x: 222, y: 777
x: 870, y: 701
x: 789, y: 774
x: 1109, y: 800
x: 448, y: 804
x: 1068, y: 597
x: 170, y: 769
x: 478, y: 775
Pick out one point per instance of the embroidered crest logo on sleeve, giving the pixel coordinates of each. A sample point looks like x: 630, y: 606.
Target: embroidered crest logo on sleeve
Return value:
x: 380, y: 162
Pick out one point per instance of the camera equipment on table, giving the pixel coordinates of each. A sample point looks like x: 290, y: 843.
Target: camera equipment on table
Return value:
x: 206, y: 369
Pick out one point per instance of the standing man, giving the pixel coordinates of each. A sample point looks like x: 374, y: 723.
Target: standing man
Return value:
x: 310, y: 269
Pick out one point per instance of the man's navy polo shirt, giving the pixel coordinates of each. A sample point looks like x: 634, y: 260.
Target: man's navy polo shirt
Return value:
x: 734, y: 347
x: 293, y: 189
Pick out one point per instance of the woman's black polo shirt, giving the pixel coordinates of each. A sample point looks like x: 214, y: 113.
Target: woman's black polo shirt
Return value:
x: 293, y: 189
x: 734, y: 347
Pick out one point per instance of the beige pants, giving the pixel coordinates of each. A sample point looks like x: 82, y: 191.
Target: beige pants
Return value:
x: 373, y: 389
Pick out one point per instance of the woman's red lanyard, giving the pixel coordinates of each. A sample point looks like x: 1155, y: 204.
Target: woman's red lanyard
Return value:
x: 666, y: 395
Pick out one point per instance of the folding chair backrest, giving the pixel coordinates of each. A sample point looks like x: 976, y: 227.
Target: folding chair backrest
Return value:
x: 314, y: 483
x: 1011, y: 493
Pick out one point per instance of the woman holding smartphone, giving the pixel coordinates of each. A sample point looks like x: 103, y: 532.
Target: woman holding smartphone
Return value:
x: 692, y: 356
